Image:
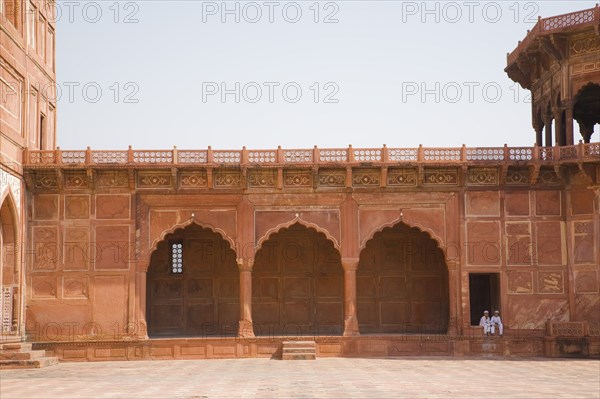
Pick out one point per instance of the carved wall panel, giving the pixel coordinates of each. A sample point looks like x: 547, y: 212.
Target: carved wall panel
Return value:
x: 46, y: 248
x: 548, y: 176
x: 547, y: 203
x: 482, y: 203
x: 585, y: 45
x: 550, y: 248
x: 520, y: 282
x: 154, y: 180
x: 45, y: 207
x: 517, y: 176
x: 77, y: 251
x: 519, y: 246
x: 332, y: 177
x: 77, y: 206
x: 43, y: 287
x: 113, y: 247
x: 46, y: 180
x: 402, y: 177
x: 76, y: 179
x: 223, y: 178
x: 365, y: 177
x: 551, y: 282
x: 516, y: 203
x: 112, y: 206
x: 297, y: 178
x: 75, y: 287
x: 437, y: 176
x: 483, y: 177
x: 262, y: 178
x: 112, y: 179
x: 193, y: 179
x: 483, y: 243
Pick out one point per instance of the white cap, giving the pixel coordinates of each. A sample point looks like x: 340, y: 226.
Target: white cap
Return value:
x: 497, y: 311
x: 485, y: 311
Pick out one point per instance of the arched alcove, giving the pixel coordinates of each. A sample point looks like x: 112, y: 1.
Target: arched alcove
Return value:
x: 297, y: 284
x: 192, y: 285
x: 402, y: 283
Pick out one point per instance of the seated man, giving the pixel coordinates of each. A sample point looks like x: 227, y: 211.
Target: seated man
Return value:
x: 496, y: 321
x: 485, y: 322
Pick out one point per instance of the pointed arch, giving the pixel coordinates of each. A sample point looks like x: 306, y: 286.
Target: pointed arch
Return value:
x: 180, y: 226
x: 10, y: 271
x: 288, y: 224
x: 198, y: 297
x: 402, y: 282
x: 8, y: 201
x: 583, y: 88
x: 400, y: 220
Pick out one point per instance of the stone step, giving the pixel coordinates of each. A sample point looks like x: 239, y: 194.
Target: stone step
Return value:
x: 28, y: 364
x: 305, y: 344
x: 299, y: 350
x: 299, y: 356
x: 30, y: 355
x: 15, y: 347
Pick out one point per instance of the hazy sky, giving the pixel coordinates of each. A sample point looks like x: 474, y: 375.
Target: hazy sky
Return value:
x: 155, y: 74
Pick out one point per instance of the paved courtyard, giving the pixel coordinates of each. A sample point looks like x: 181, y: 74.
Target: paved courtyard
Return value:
x: 325, y: 377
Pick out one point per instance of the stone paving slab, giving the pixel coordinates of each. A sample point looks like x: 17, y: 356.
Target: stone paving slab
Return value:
x: 321, y: 378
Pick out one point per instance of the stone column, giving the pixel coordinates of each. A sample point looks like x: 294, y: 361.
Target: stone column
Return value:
x: 548, y: 127
x: 453, y: 294
x: 538, y: 135
x: 569, y: 124
x: 245, y: 328
x: 559, y: 134
x: 350, y: 320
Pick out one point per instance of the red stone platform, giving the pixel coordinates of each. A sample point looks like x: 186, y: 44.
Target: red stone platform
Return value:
x: 532, y: 345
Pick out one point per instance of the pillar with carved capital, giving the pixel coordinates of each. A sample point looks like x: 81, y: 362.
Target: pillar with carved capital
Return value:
x: 559, y: 131
x: 453, y: 293
x: 538, y: 135
x: 245, y: 329
x: 569, y: 124
x: 548, y: 127
x: 350, y: 320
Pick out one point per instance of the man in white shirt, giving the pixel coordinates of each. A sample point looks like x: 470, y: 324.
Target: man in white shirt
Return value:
x: 496, y: 321
x: 485, y: 322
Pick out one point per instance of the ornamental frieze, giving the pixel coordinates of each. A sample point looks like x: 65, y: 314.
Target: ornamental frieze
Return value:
x: 402, y: 177
x: 195, y: 179
x: 154, y: 180
x: 441, y: 176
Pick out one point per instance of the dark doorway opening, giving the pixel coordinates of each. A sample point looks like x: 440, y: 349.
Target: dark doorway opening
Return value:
x: 484, y: 294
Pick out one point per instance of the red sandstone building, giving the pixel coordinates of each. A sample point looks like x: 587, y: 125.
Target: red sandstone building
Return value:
x: 369, y: 252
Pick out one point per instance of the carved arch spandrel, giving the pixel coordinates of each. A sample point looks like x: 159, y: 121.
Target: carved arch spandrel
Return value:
x: 291, y: 222
x: 182, y: 226
x: 402, y: 219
